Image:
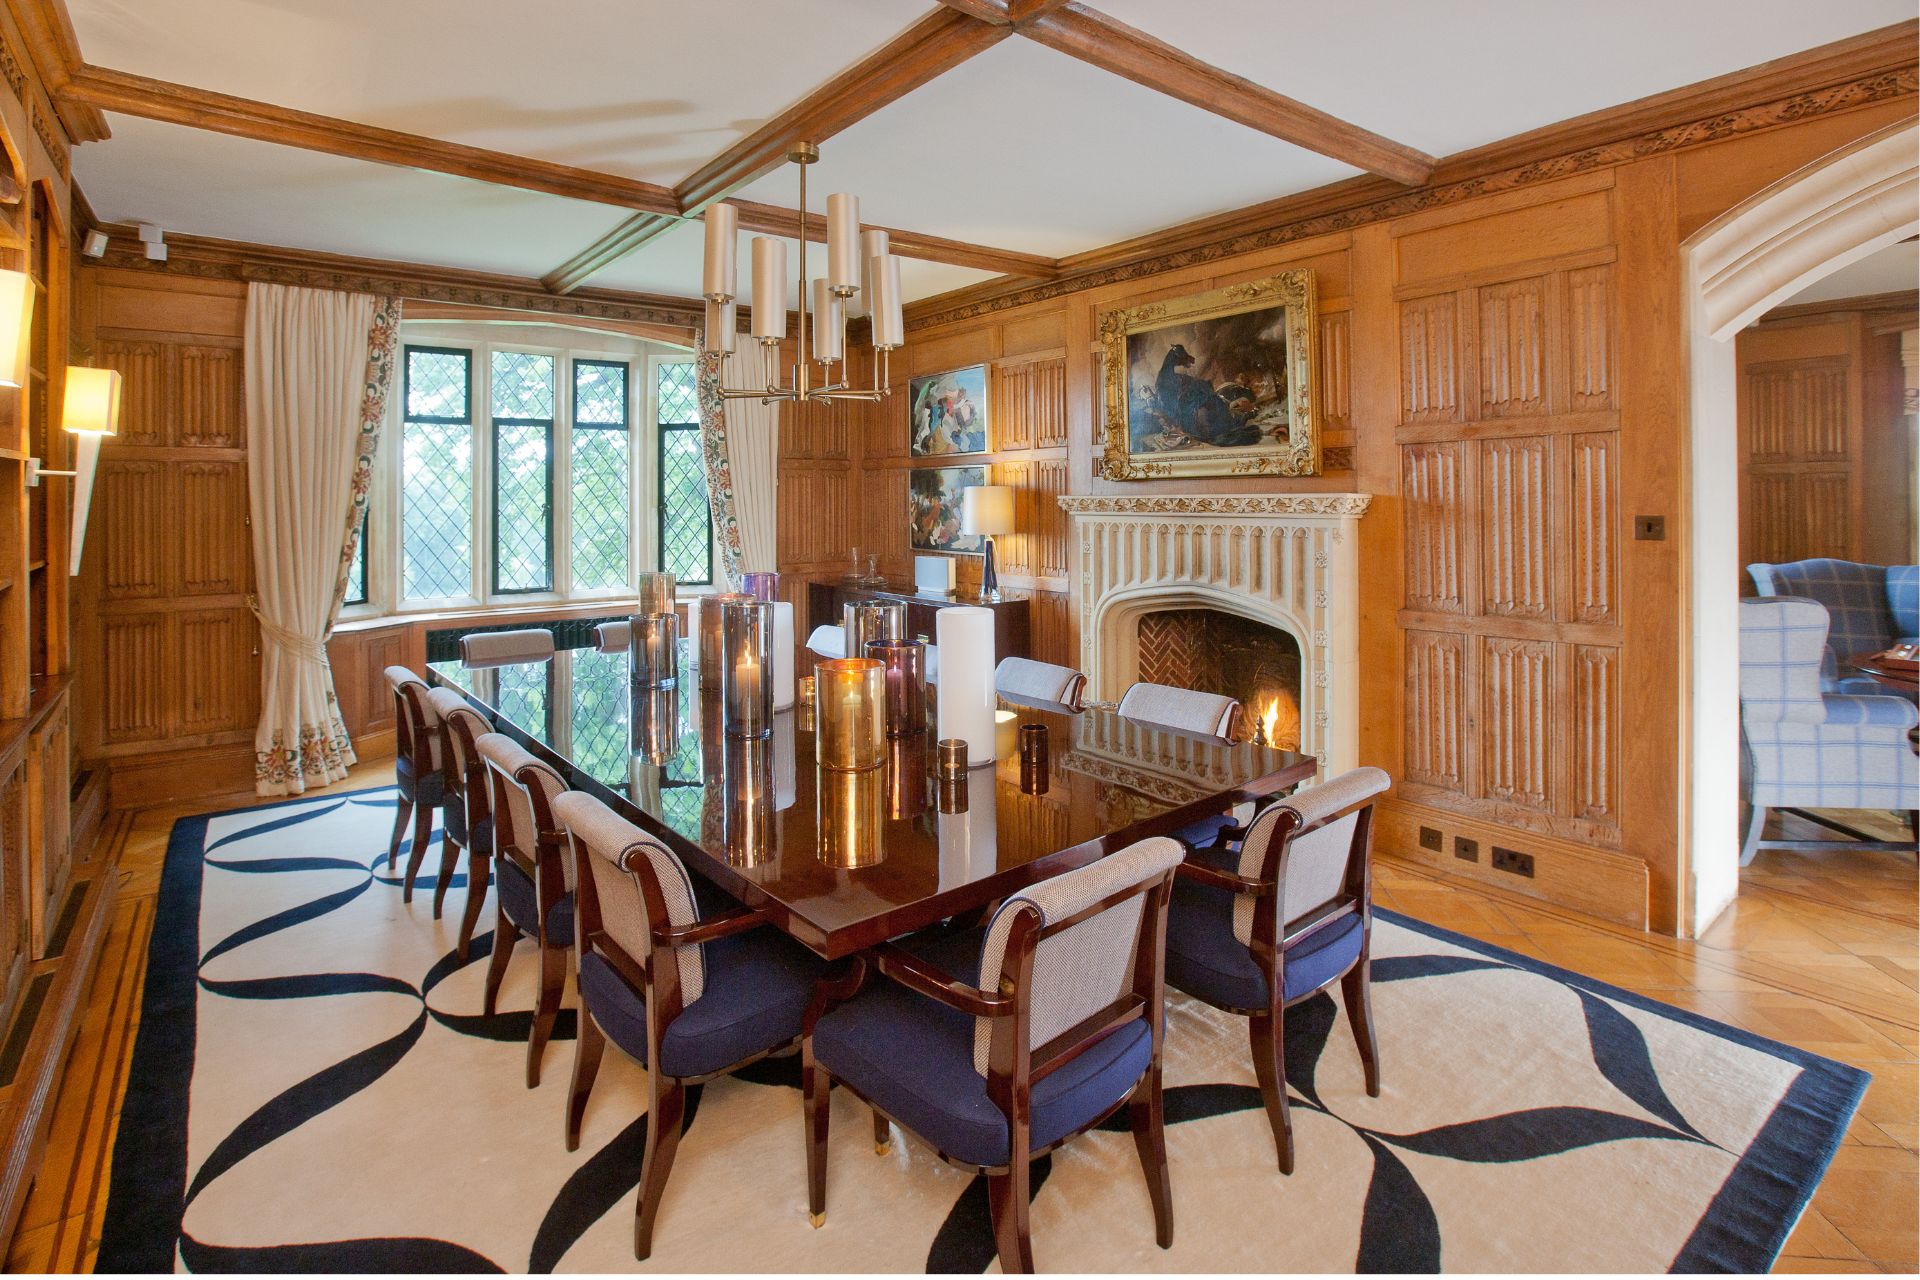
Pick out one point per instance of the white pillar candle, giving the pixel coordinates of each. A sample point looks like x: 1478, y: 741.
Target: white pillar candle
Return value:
x: 969, y: 840
x: 720, y: 324
x: 722, y: 273
x: 782, y: 655
x: 889, y: 326
x: 966, y: 701
x: 829, y: 322
x: 769, y: 287
x: 843, y: 241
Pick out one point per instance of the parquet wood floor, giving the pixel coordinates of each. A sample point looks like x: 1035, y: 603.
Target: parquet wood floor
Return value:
x: 1819, y: 951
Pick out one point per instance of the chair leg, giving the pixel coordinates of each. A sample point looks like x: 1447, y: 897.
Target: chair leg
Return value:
x: 663, y: 1139
x: 1148, y: 1118
x: 401, y: 813
x: 449, y: 858
x: 1356, y: 992
x: 587, y: 1049
x: 1007, y: 1196
x: 422, y: 828
x: 1750, y: 841
x: 504, y: 936
x: 1268, y: 1035
x: 478, y: 867
x: 553, y: 981
x: 814, y: 1112
x: 882, y: 1135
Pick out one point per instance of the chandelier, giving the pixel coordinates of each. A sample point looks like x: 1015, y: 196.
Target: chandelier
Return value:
x: 857, y: 262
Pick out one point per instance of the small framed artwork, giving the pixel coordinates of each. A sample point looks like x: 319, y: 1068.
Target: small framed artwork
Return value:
x: 1217, y: 384
x: 933, y: 509
x: 947, y: 413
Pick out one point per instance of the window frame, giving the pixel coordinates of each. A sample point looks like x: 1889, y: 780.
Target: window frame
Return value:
x: 635, y: 471
x: 475, y: 395
x: 562, y: 372
x: 659, y: 466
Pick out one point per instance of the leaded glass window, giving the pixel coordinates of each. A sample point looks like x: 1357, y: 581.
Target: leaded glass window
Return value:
x: 601, y: 693
x: 686, y: 527
x: 522, y: 394
x: 357, y: 571
x: 436, y: 448
x: 600, y: 468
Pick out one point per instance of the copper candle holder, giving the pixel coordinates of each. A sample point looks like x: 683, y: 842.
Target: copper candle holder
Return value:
x: 656, y: 593
x: 656, y: 724
x: 865, y: 621
x: 1033, y: 759
x: 852, y: 817
x: 746, y: 675
x: 907, y: 776
x: 905, y: 672
x: 761, y: 586
x: 850, y: 713
x: 803, y: 710
x: 712, y: 644
x: 655, y: 645
x: 951, y: 758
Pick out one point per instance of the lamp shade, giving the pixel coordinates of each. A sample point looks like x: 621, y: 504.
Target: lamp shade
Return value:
x: 92, y: 401
x: 16, y: 327
x: 986, y: 508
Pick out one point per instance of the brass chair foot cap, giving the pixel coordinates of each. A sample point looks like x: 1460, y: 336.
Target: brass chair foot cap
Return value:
x: 817, y: 1219
x: 881, y: 1148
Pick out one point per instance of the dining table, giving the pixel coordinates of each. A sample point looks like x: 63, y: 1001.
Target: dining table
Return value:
x: 843, y: 860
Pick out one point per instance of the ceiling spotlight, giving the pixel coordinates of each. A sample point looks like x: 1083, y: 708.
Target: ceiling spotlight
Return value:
x: 96, y: 244
x: 150, y: 233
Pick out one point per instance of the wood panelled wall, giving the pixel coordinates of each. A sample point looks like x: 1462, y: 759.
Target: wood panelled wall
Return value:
x: 164, y: 621
x: 1826, y: 458
x: 1505, y: 377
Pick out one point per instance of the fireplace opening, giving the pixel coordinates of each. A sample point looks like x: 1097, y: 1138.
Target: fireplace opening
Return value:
x: 1219, y: 652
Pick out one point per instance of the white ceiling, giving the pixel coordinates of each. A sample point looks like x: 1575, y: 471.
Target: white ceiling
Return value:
x: 1019, y: 148
x: 1893, y: 269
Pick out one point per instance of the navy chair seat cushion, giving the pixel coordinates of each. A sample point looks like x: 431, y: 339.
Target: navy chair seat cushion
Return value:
x: 522, y: 906
x: 1206, y: 833
x: 456, y: 827
x: 912, y: 1057
x: 757, y: 988
x: 429, y: 790
x: 1206, y: 960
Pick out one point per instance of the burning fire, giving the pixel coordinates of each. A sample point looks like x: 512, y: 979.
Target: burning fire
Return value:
x: 1269, y: 722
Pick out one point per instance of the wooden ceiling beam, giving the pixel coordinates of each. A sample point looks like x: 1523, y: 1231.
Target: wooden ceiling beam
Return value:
x: 51, y: 43
x: 170, y: 103
x: 768, y: 219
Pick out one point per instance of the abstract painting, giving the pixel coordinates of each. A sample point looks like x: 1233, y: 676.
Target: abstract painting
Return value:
x: 947, y: 413
x: 933, y: 508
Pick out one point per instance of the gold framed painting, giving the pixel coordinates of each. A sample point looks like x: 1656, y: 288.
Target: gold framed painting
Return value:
x: 1217, y: 384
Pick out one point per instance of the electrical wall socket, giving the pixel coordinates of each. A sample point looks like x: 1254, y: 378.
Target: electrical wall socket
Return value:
x: 1520, y: 864
x: 1430, y: 839
x: 1466, y: 850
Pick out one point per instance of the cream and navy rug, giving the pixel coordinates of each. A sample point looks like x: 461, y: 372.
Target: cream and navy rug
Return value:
x: 314, y: 1087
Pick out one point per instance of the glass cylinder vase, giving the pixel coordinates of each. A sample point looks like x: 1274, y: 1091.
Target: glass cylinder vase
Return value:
x: 904, y: 670
x: 712, y: 609
x: 747, y: 825
x: 656, y: 724
x: 865, y: 621
x: 655, y: 642
x: 761, y: 586
x: 656, y: 592
x: 746, y: 672
x: 850, y: 713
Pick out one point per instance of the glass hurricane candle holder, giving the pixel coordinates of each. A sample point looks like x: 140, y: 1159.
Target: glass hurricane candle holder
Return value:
x: 1033, y: 759
x: 803, y: 716
x: 904, y: 668
x: 746, y: 683
x: 655, y: 643
x: 656, y: 593
x: 747, y: 824
x: 865, y: 621
x: 852, y: 817
x: 850, y: 713
x: 712, y: 646
x: 761, y: 586
x: 907, y: 776
x: 656, y: 724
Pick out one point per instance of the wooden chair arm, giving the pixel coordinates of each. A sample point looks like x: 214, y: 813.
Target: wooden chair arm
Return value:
x: 1200, y: 873
x: 915, y: 974
x: 712, y: 929
x: 1317, y: 918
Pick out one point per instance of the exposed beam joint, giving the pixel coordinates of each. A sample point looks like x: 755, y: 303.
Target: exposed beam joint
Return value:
x: 770, y: 219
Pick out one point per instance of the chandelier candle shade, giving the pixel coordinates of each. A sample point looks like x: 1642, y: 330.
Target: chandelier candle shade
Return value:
x: 850, y: 697
x: 965, y: 705
x: 859, y: 262
x: 746, y: 684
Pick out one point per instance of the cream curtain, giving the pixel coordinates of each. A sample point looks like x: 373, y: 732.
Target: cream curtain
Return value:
x: 741, y: 440
x: 318, y: 366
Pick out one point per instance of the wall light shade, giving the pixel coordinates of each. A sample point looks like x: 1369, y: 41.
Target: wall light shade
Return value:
x: 92, y: 401
x: 16, y: 327
x: 986, y: 508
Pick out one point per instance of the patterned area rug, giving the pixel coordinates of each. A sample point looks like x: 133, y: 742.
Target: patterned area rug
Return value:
x: 315, y: 1088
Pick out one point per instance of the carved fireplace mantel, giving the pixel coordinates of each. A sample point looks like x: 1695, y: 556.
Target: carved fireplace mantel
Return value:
x: 1288, y: 560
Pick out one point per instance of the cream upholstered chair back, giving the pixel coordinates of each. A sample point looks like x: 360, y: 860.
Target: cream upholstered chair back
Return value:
x: 1085, y: 967
x: 455, y: 710
x: 410, y: 691
x: 613, y: 637
x: 524, y: 791
x: 1319, y: 858
x: 530, y: 644
x: 606, y: 845
x: 1207, y: 715
x: 1039, y: 681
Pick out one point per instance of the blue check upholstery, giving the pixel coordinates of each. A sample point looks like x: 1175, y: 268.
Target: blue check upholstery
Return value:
x: 758, y: 984
x: 913, y: 1058
x: 522, y: 905
x: 1870, y: 607
x: 1812, y: 748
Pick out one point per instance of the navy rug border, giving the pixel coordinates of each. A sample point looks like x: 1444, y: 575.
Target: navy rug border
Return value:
x: 1742, y: 1230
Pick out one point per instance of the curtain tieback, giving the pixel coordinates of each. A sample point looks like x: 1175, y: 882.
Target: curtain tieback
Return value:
x: 305, y: 648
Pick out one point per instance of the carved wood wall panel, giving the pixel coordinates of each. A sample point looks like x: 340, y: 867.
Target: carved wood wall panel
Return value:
x: 1433, y: 497
x: 1054, y: 638
x: 1029, y: 404
x: 143, y: 418
x: 1798, y: 412
x: 1770, y: 520
x: 1594, y: 517
x: 1513, y: 348
x: 1430, y: 359
x: 1436, y: 709
x: 136, y: 677
x: 1517, y: 733
x: 815, y: 430
x: 215, y: 542
x: 1514, y: 528
x: 813, y: 524
x: 1336, y: 363
x: 1590, y: 337
x: 135, y: 509
x: 1596, y: 715
x: 212, y: 405
x: 221, y: 692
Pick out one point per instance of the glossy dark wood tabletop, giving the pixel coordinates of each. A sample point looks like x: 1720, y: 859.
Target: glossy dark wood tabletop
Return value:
x: 841, y: 862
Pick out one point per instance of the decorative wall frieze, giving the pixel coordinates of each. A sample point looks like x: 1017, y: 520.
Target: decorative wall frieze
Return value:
x: 1261, y: 504
x: 12, y: 69
x: 50, y: 138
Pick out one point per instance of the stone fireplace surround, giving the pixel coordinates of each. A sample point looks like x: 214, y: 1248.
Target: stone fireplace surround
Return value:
x: 1288, y: 560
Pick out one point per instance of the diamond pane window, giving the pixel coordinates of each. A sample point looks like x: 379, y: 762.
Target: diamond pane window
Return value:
x: 600, y: 501
x: 523, y: 696
x: 600, y: 694
x: 522, y: 472
x: 436, y: 475
x: 357, y: 571
x: 522, y: 386
x: 686, y: 528
x: 439, y: 385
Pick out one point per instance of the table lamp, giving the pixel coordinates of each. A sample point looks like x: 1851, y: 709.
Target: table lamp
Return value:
x: 987, y: 509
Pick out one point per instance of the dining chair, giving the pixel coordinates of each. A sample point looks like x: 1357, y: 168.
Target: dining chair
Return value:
x: 418, y: 770
x: 613, y: 637
x: 1039, y: 681
x: 828, y: 641
x: 499, y: 648
x: 1205, y: 715
x: 689, y: 998
x: 468, y: 824
x: 998, y: 1045
x: 1255, y: 929
x: 533, y: 881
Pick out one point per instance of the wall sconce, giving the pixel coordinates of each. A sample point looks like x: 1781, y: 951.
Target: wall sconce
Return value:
x: 16, y: 327
x: 91, y: 412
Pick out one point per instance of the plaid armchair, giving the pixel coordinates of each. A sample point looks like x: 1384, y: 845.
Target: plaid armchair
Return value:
x: 1807, y: 747
x: 1871, y: 607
